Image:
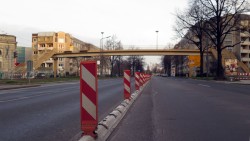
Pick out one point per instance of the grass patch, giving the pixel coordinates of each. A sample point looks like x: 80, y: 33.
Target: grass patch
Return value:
x: 204, y: 78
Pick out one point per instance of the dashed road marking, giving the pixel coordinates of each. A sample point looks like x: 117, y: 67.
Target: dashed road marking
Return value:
x: 204, y: 85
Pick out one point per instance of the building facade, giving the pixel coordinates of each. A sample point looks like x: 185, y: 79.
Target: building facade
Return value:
x: 46, y: 44
x: 23, y: 54
x: 7, y: 59
x: 242, y: 50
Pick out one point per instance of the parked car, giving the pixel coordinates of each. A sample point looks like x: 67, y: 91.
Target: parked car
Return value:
x: 40, y: 75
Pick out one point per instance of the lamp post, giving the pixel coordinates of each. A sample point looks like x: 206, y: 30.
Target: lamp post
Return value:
x: 156, y: 39
x: 101, y: 53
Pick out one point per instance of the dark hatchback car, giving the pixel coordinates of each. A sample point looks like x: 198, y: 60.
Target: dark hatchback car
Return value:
x: 40, y: 75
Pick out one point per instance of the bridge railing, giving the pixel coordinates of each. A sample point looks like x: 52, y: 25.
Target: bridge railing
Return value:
x: 136, y: 47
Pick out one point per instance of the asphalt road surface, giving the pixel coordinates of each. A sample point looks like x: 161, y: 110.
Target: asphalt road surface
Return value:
x: 51, y: 112
x: 172, y: 109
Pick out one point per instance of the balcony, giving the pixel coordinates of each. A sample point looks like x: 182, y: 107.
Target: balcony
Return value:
x: 245, y: 34
x: 245, y: 51
x: 50, y: 48
x: 245, y: 59
x: 247, y: 43
x: 49, y: 61
x: 41, y: 48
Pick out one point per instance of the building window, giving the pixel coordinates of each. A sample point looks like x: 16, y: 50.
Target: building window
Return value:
x: 34, y: 40
x: 0, y: 52
x: 0, y: 64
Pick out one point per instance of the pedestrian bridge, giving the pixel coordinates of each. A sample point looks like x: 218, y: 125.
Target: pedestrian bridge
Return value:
x: 127, y: 52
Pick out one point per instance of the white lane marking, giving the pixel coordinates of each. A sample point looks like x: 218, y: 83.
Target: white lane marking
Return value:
x: 154, y: 92
x: 204, y: 85
x: 89, y: 106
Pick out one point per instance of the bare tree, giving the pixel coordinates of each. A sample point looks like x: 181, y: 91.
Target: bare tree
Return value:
x: 119, y: 59
x: 113, y: 44
x: 136, y: 63
x: 166, y: 63
x: 190, y: 26
x: 222, y: 17
x: 166, y: 60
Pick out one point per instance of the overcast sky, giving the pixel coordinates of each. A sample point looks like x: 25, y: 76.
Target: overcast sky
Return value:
x: 134, y: 22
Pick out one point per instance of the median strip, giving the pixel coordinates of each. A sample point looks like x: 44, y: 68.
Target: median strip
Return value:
x: 108, y: 124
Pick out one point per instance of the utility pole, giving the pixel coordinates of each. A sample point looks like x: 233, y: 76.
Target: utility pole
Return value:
x: 101, y: 55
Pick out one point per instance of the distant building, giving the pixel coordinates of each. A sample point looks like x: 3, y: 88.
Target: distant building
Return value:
x: 23, y: 54
x: 46, y: 44
x: 7, y: 59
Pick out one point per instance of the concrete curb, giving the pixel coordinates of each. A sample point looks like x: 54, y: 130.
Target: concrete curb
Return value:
x: 18, y: 87
x: 108, y: 124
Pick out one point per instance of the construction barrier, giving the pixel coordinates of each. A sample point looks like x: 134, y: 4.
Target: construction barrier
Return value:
x: 137, y: 80
x: 88, y: 94
x: 127, y: 89
x: 242, y: 78
x: 141, y: 79
x: 243, y: 74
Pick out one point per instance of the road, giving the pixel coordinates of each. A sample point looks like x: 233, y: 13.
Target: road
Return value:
x: 51, y: 112
x: 174, y: 109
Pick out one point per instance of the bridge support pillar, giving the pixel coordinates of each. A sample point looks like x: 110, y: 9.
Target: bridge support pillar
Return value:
x: 55, y: 66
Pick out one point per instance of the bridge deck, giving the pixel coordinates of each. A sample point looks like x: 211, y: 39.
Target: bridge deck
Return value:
x: 142, y: 52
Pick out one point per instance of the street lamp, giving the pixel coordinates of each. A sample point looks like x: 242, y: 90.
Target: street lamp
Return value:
x: 156, y: 39
x: 101, y: 53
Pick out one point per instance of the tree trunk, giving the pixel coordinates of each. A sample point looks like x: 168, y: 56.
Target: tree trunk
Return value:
x: 119, y: 68
x: 220, y: 70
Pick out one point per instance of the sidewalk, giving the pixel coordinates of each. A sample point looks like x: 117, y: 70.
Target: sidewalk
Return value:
x: 243, y: 82
x: 8, y: 87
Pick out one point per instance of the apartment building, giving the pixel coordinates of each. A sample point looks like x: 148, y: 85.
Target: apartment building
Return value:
x: 242, y: 51
x: 7, y: 59
x: 46, y: 44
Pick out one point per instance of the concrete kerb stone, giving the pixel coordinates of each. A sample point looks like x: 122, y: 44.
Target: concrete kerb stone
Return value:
x: 108, y: 124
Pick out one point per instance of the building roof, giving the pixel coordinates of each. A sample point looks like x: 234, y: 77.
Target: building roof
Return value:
x: 7, y: 35
x: 46, y: 33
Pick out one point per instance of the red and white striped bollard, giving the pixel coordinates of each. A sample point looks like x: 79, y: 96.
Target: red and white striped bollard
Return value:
x: 89, y: 94
x: 137, y: 80
x: 127, y: 89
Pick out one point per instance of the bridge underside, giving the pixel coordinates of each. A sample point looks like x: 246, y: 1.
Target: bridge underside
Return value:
x: 128, y: 53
